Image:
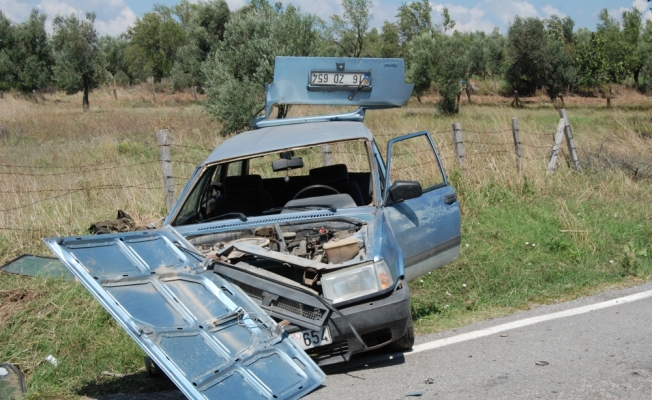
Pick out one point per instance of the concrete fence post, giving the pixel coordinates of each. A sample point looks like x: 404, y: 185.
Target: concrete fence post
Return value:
x: 164, y: 140
x: 458, y: 143
x: 516, y: 133
x: 572, y: 150
x: 326, y: 155
x: 554, y: 154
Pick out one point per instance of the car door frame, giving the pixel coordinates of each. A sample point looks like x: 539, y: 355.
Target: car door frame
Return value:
x: 437, y: 208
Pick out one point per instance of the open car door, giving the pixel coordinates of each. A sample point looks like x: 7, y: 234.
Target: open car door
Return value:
x: 209, y: 338
x: 425, y: 221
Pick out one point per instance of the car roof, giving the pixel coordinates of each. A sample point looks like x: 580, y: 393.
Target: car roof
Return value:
x: 276, y: 138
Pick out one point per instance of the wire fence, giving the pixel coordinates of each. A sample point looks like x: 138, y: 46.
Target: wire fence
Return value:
x: 478, y: 149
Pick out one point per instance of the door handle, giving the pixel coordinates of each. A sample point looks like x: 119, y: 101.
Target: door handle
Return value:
x: 450, y: 199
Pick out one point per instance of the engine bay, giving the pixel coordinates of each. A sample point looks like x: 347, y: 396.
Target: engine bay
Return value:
x: 299, y: 252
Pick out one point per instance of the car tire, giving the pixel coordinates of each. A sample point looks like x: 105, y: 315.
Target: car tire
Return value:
x: 406, y: 341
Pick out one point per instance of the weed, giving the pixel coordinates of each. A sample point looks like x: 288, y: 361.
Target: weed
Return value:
x: 526, y: 238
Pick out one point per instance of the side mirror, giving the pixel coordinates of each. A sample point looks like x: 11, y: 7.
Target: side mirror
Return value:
x: 285, y: 164
x: 403, y: 190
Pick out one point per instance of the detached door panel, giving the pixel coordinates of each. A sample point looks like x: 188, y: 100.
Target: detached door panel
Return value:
x: 427, y: 228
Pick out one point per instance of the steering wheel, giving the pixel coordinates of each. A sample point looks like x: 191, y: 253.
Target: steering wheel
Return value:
x: 314, y: 187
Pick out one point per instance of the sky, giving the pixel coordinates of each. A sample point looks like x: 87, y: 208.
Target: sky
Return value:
x: 114, y: 16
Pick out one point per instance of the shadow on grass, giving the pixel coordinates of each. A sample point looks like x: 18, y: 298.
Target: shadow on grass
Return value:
x: 135, y: 386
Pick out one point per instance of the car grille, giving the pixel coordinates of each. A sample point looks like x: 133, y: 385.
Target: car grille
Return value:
x: 295, y: 307
x: 251, y: 291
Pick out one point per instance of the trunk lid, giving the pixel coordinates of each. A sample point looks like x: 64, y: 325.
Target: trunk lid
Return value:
x: 206, y: 334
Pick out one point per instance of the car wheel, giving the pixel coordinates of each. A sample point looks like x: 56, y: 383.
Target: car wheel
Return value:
x: 406, y: 341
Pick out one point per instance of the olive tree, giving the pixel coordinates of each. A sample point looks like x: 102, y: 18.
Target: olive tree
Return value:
x: 154, y: 41
x: 243, y: 61
x: 204, y: 31
x: 78, y: 61
x: 413, y: 20
x: 350, y: 29
x: 559, y: 69
x: 25, y: 54
x: 442, y: 60
x: 115, y: 61
x: 527, y: 41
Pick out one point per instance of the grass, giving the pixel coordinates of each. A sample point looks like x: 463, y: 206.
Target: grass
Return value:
x: 527, y: 239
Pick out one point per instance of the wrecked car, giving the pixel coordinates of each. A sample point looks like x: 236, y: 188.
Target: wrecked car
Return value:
x: 301, y: 233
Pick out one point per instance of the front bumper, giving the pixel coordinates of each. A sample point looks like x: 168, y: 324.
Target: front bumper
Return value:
x: 377, y: 321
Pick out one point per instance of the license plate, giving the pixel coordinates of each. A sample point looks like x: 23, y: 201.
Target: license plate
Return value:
x: 309, y: 339
x: 355, y: 79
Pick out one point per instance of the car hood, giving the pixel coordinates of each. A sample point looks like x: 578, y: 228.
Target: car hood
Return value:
x: 204, y: 333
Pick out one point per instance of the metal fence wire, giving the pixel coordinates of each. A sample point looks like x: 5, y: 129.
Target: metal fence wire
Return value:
x: 479, y: 146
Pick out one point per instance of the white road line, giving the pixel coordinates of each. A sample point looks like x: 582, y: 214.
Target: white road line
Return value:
x: 525, y: 322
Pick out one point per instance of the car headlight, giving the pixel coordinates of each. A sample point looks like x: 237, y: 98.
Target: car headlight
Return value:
x: 357, y: 281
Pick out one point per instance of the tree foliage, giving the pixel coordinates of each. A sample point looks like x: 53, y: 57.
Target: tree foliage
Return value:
x: 349, y: 29
x: 526, y: 40
x: 25, y: 54
x: 230, y: 54
x: 154, y: 40
x: 243, y: 62
x: 204, y: 29
x: 78, y: 61
x: 413, y: 20
x: 115, y: 60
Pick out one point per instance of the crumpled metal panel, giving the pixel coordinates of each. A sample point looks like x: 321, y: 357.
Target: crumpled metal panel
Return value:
x: 208, y: 337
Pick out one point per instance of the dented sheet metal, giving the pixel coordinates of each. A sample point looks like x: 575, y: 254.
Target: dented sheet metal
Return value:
x: 207, y: 336
x: 275, y: 255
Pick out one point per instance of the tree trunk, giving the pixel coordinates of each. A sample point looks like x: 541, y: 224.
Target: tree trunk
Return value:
x: 636, y: 74
x: 468, y: 93
x: 85, y: 104
x: 609, y: 97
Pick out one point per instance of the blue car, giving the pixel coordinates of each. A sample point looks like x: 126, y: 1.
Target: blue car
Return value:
x: 317, y: 223
x: 305, y: 227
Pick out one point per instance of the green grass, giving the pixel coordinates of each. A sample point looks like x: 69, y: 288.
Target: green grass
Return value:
x: 53, y: 317
x: 531, y: 239
x: 523, y: 247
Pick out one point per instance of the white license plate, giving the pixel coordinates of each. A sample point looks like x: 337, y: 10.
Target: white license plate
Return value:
x: 358, y: 79
x: 310, y: 339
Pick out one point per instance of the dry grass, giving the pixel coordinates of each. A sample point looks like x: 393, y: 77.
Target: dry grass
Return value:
x: 62, y: 169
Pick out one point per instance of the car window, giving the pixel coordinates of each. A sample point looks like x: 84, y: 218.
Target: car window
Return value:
x: 198, y: 195
x: 414, y: 160
x: 351, y: 153
x: 234, y: 169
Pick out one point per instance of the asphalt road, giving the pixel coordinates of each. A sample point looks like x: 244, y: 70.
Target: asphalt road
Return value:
x: 601, y: 354
x: 536, y: 354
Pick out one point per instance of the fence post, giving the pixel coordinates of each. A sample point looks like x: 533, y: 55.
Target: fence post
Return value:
x: 459, y: 144
x: 569, y: 139
x: 554, y: 154
x: 326, y: 155
x: 194, y: 92
x: 517, y: 144
x: 164, y: 141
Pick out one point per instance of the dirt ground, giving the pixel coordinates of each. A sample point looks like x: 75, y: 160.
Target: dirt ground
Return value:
x: 621, y: 97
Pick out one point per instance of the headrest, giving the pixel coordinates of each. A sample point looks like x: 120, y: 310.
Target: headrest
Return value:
x: 329, y: 174
x: 242, y: 184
